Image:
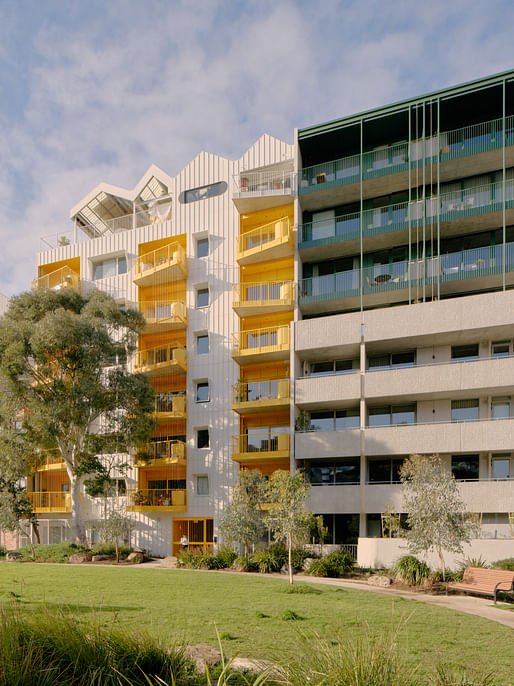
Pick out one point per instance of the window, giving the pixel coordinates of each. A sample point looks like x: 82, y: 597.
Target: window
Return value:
x: 405, y: 359
x: 111, y: 267
x: 385, y: 470
x: 464, y: 352
x: 500, y: 349
x: 202, y: 484
x: 465, y: 410
x: 331, y: 367
x: 202, y: 247
x: 335, y: 473
x: 502, y: 466
x: 331, y: 420
x: 202, y: 297
x: 202, y: 391
x: 465, y: 467
x: 202, y: 344
x: 203, y: 192
x: 202, y: 438
x: 500, y: 408
x: 392, y: 415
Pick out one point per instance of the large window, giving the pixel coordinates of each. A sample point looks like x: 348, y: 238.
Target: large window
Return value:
x: 500, y: 408
x: 335, y: 473
x: 342, y: 528
x: 333, y: 420
x: 331, y: 367
x: 385, y: 470
x: 465, y: 467
x: 111, y: 267
x: 465, y: 410
x: 392, y: 415
x: 502, y: 466
x: 392, y: 360
x: 464, y: 352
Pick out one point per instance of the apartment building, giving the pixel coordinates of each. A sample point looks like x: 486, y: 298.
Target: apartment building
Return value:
x: 336, y: 304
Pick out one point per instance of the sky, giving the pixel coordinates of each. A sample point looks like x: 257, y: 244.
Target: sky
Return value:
x: 99, y: 90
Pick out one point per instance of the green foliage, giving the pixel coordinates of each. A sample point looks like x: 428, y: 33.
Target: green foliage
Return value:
x: 472, y: 562
x: 3, y: 551
x: 110, y: 549
x: 192, y: 560
x: 409, y: 570
x: 244, y: 564
x: 437, y: 576
x: 507, y: 564
x: 298, y: 557
x: 451, y: 675
x: 335, y: 564
x: 225, y: 557
x: 303, y: 422
x: 269, y: 560
x: 52, y: 552
x: 301, y: 589
x: 243, y: 520
x: 115, y: 528
x: 290, y: 615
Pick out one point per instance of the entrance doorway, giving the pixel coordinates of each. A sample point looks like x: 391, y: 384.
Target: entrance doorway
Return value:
x: 199, y: 532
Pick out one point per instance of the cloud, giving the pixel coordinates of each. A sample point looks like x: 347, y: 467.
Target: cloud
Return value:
x: 102, y: 90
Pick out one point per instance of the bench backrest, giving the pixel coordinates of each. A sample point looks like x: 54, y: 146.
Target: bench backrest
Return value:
x: 488, y: 577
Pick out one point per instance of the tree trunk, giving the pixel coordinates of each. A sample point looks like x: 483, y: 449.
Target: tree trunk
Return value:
x: 117, y: 552
x: 76, y: 514
x: 246, y: 551
x: 441, y: 560
x: 35, y: 529
x: 290, y: 557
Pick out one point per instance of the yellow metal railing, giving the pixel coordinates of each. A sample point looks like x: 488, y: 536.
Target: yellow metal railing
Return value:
x: 172, y: 451
x: 156, y: 311
x: 170, y: 403
x: 167, y: 256
x: 50, y: 501
x: 160, y: 497
x: 51, y: 462
x: 64, y: 277
x: 270, y: 441
x: 161, y: 355
x: 268, y: 339
x: 265, y: 236
x: 265, y: 293
x: 260, y: 391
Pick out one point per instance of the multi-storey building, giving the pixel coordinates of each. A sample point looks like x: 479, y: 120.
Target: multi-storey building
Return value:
x: 336, y: 304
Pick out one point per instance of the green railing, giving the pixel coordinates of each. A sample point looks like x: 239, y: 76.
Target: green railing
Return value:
x: 447, y: 207
x: 468, y: 140
x: 396, y: 276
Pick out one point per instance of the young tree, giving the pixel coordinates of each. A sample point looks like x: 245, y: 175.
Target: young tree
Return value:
x: 436, y: 519
x: 57, y: 350
x: 115, y: 528
x: 287, y: 517
x: 243, y: 520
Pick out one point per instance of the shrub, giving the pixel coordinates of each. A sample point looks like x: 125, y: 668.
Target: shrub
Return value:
x: 507, y: 564
x: 298, y: 557
x: 193, y: 560
x: 472, y: 562
x: 110, y: 549
x: 225, y: 557
x: 409, y: 570
x: 270, y: 559
x: 3, y: 551
x: 290, y: 615
x: 241, y: 563
x: 53, y: 552
x: 335, y: 564
x: 301, y: 588
x: 437, y: 576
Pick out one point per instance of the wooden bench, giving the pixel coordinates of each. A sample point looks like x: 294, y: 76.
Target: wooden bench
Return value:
x: 485, y: 581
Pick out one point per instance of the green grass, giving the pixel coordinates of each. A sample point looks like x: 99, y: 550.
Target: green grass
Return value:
x: 183, y: 606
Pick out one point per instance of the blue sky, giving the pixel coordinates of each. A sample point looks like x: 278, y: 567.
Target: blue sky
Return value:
x: 97, y: 91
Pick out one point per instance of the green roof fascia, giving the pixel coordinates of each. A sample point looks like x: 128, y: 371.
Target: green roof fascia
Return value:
x: 376, y: 112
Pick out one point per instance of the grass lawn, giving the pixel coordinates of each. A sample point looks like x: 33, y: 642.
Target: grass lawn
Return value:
x: 184, y: 606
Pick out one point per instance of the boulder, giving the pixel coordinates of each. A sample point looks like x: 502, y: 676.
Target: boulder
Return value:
x: 307, y: 563
x: 202, y: 656
x: 101, y: 558
x: 137, y: 549
x: 79, y: 558
x: 12, y: 556
x: 285, y: 569
x: 135, y: 557
x: 379, y: 580
x: 171, y: 562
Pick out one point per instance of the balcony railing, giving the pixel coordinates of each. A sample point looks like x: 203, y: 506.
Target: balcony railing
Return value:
x: 171, y: 357
x: 265, y: 238
x: 398, y: 217
x: 261, y: 393
x: 64, y: 277
x: 168, y: 257
x: 271, y: 443
x: 50, y: 463
x: 265, y: 294
x: 469, y: 140
x: 466, y: 264
x: 50, y: 501
x: 271, y: 339
x: 166, y: 452
x: 150, y: 499
x: 264, y: 183
x: 172, y: 313
x: 172, y: 404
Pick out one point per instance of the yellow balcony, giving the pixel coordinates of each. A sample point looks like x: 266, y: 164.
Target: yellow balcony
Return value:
x: 157, y: 500
x: 162, y: 453
x: 163, y: 315
x: 260, y: 446
x: 170, y: 406
x: 51, y: 463
x: 261, y: 345
x: 262, y: 297
x: 259, y: 396
x: 268, y: 242
x: 165, y: 359
x: 164, y: 264
x: 64, y: 277
x: 50, y: 501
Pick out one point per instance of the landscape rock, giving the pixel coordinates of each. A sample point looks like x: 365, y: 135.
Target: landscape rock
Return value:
x: 285, y: 569
x: 79, y: 558
x: 171, y: 562
x: 101, y: 558
x: 137, y: 549
x: 307, y: 563
x: 135, y: 557
x: 245, y: 664
x: 12, y: 556
x: 379, y: 580
x: 202, y: 656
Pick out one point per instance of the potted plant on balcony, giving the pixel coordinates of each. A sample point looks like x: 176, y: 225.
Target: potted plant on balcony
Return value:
x: 303, y: 422
x: 243, y: 183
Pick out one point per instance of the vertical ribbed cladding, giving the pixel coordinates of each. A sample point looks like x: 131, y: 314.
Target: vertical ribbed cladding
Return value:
x: 267, y: 150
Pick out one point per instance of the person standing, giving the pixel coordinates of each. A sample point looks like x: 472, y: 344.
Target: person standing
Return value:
x: 184, y: 542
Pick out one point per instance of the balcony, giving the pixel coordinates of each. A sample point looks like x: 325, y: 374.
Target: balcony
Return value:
x: 170, y: 406
x: 61, y: 278
x: 253, y: 190
x: 161, y: 454
x: 268, y: 242
x: 165, y: 264
x: 163, y: 315
x: 261, y: 345
x: 49, y: 501
x: 480, y: 141
x: 157, y: 500
x: 467, y: 270
x: 260, y: 446
x: 456, y: 211
x: 51, y: 463
x: 251, y: 397
x: 262, y: 297
x: 163, y: 360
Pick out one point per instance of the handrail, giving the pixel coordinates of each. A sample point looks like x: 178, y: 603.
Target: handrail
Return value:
x: 158, y: 450
x: 259, y: 292
x: 157, y: 310
x: 169, y: 401
x: 160, y: 354
x: 64, y: 277
x: 268, y: 338
x: 254, y: 391
x: 172, y: 253
x: 156, y: 497
x: 57, y: 500
x: 278, y: 230
x: 248, y: 182
x: 404, y: 424
x: 262, y: 442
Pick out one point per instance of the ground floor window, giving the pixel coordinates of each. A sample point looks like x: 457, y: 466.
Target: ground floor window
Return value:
x: 342, y: 528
